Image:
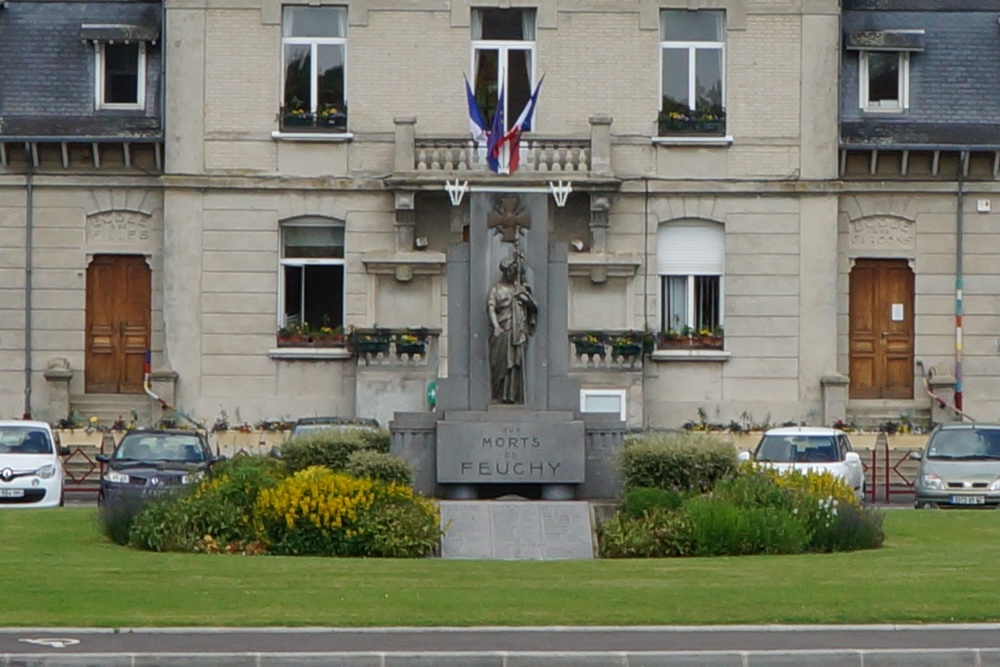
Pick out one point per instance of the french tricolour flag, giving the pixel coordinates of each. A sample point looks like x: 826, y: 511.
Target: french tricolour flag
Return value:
x: 477, y: 126
x: 508, y: 147
x: 503, y: 149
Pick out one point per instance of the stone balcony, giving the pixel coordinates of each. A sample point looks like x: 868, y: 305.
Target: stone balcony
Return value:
x: 425, y: 162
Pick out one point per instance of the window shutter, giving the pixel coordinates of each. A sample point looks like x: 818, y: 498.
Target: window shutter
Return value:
x: 691, y: 249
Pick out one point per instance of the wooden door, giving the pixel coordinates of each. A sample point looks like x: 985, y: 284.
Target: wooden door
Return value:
x: 881, y: 335
x: 118, y: 324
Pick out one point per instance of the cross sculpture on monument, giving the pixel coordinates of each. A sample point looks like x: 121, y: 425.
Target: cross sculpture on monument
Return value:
x: 512, y: 308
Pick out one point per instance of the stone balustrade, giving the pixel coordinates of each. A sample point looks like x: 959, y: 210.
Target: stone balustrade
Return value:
x: 580, y: 156
x: 537, y: 155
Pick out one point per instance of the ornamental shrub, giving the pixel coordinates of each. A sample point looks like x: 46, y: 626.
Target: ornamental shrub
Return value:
x: 684, y: 462
x: 330, y: 448
x: 320, y: 512
x: 720, y: 527
x: 115, y: 520
x: 657, y: 533
x: 379, y: 466
x: 220, y: 508
x: 639, y: 501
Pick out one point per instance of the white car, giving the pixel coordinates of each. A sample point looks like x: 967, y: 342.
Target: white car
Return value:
x: 31, y: 470
x: 810, y: 448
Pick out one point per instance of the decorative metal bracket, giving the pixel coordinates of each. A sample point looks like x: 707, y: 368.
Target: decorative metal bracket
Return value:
x: 560, y: 192
x: 456, y: 191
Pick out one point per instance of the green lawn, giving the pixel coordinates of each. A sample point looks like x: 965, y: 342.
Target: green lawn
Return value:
x: 57, y: 570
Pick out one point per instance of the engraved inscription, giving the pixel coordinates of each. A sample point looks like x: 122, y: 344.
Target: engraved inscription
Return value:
x: 118, y: 227
x: 536, y: 530
x: 503, y: 453
x: 883, y: 233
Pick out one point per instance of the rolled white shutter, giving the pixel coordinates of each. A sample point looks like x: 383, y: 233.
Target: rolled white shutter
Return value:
x: 693, y: 248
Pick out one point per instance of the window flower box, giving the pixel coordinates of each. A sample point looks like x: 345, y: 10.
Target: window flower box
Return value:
x: 302, y: 335
x: 589, y: 344
x: 369, y: 341
x: 297, y: 119
x: 705, y: 339
x: 626, y: 350
x: 411, y: 342
x: 327, y: 120
x: 681, y: 121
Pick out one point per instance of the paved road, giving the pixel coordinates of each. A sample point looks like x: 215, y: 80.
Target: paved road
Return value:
x: 722, y: 646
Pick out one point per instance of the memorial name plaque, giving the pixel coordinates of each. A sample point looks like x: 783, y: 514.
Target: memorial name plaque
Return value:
x: 510, y: 452
x: 516, y: 530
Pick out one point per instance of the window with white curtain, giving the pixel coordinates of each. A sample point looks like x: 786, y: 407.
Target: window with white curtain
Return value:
x: 311, y: 280
x: 314, y: 64
x: 503, y: 57
x: 690, y: 258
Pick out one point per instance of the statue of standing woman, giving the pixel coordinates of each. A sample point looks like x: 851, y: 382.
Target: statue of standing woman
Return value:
x: 513, y: 314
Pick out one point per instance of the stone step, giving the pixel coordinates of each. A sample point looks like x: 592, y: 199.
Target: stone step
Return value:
x: 108, y: 408
x: 869, y: 415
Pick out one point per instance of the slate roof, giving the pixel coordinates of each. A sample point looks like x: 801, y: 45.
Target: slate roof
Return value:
x: 47, y: 69
x: 954, y: 79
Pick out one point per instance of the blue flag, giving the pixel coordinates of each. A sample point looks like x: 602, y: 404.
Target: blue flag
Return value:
x: 495, y: 136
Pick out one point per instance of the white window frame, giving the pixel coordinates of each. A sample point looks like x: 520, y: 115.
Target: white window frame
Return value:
x: 903, y: 93
x: 504, y: 47
x: 621, y: 394
x: 692, y: 47
x: 690, y: 315
x: 140, y: 95
x: 308, y: 261
x: 314, y: 43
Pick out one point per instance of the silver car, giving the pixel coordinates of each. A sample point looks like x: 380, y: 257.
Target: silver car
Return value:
x: 959, y: 467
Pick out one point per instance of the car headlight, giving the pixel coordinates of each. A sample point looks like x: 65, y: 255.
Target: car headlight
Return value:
x: 46, y: 472
x: 192, y: 477
x: 116, y: 477
x: 995, y: 485
x: 931, y: 481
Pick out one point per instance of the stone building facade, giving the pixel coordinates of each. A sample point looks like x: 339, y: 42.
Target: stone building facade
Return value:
x: 310, y: 162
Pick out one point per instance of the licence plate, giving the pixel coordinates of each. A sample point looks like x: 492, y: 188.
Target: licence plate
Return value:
x: 968, y: 500
x: 11, y: 493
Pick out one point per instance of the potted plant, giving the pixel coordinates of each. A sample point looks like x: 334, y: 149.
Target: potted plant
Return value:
x: 369, y: 341
x: 411, y: 341
x: 296, y: 114
x: 294, y: 334
x: 591, y: 343
x: 331, y: 116
x: 710, y: 338
x: 626, y: 345
x: 710, y: 119
x: 671, y: 339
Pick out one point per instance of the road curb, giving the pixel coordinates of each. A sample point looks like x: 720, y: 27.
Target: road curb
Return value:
x: 819, y: 658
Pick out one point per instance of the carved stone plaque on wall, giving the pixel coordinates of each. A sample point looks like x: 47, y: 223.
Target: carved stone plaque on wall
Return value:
x: 883, y: 233
x: 114, y: 227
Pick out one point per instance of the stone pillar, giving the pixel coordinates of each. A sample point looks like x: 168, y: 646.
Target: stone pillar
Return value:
x: 599, y: 205
x: 414, y: 440
x: 943, y: 387
x: 834, y: 389
x: 58, y: 376
x: 405, y: 144
x: 406, y: 221
x: 600, y: 146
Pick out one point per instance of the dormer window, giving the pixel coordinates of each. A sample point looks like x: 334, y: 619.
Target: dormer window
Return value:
x: 119, y: 63
x: 885, y: 81
x: 121, y: 75
x: 884, y: 67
